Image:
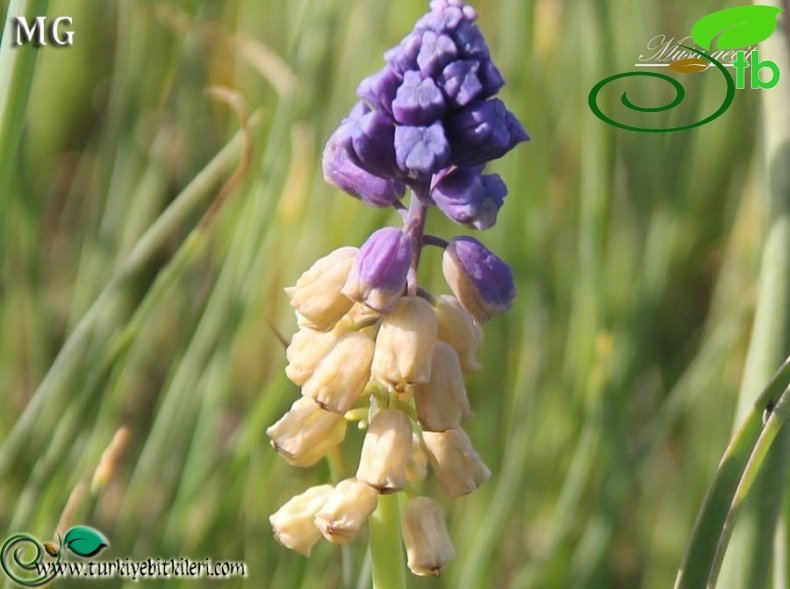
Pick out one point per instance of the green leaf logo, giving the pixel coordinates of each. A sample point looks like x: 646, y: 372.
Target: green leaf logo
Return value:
x: 735, y: 27
x: 84, y: 541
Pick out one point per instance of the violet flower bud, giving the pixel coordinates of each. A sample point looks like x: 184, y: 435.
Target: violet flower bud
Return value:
x: 379, y: 89
x: 481, y: 281
x: 404, y: 57
x: 469, y: 198
x: 482, y: 132
x: 421, y: 151
x: 436, y: 51
x: 461, y: 82
x: 378, y: 276
x: 470, y: 41
x: 445, y: 16
x: 418, y: 100
x: 341, y: 170
x: 372, y: 140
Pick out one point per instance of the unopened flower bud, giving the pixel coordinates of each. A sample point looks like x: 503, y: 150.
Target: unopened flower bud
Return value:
x: 316, y: 295
x: 417, y: 467
x: 470, y: 198
x: 442, y: 402
x: 458, y: 466
x: 419, y: 101
x: 421, y: 151
x: 404, y: 345
x: 428, y: 545
x: 458, y: 328
x: 481, y: 281
x: 347, y: 507
x: 308, y: 347
x: 293, y: 523
x: 385, y: 451
x: 483, y: 131
x: 341, y: 376
x: 378, y: 276
x: 307, y: 432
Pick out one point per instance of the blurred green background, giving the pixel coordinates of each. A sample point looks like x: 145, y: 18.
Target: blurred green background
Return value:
x: 127, y: 299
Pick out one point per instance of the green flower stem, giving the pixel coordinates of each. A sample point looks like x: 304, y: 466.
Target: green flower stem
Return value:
x: 386, y: 548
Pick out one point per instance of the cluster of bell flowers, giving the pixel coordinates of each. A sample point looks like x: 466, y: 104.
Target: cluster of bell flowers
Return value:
x: 403, y: 369
x: 374, y: 347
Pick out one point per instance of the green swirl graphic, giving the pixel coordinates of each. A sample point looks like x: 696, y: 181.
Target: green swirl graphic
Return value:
x: 11, y: 551
x: 680, y: 94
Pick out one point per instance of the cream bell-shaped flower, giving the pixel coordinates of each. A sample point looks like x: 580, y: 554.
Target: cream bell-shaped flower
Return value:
x: 404, y: 345
x: 428, y: 545
x: 316, y: 296
x: 442, y: 403
x: 417, y: 467
x: 458, y: 328
x: 341, y: 376
x: 346, y: 509
x: 293, y: 523
x: 385, y: 451
x: 308, y: 347
x: 306, y: 432
x: 458, y: 467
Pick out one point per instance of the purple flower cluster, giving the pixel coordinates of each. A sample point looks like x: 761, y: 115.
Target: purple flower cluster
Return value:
x: 428, y: 120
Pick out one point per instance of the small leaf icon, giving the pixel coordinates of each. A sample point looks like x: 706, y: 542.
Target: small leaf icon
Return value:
x: 51, y: 548
x: 740, y: 26
x: 84, y: 541
x: 691, y: 65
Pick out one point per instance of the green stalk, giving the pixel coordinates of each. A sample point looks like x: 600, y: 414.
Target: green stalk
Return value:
x: 386, y: 548
x: 17, y: 65
x: 748, y: 564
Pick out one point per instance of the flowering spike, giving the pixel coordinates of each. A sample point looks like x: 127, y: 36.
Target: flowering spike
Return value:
x: 429, y: 119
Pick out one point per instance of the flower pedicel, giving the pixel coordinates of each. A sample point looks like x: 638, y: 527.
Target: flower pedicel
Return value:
x: 371, y: 345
